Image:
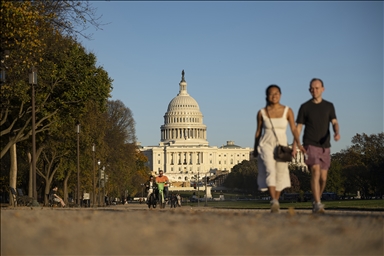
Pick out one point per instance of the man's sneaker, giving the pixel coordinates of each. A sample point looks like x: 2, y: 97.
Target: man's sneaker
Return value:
x: 275, y: 206
x: 318, y: 208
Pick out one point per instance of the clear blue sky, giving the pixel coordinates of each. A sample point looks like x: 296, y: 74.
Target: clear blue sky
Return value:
x: 231, y: 51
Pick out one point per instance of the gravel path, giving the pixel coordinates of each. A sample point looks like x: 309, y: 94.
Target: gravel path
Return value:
x: 135, y: 230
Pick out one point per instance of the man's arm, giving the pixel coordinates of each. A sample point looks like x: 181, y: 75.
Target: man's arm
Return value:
x: 299, y: 127
x: 335, y: 126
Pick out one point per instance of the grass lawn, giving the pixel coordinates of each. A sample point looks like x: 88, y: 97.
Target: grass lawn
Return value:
x: 231, y: 203
x: 362, y: 205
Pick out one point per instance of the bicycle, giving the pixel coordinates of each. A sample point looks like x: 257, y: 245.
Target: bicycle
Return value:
x: 160, y: 186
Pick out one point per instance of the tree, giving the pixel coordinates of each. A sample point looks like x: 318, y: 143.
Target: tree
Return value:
x: 362, y: 164
x: 21, y: 30
x: 371, y: 150
x: 120, y: 143
x: 335, y: 179
x: 71, y: 18
x: 295, y: 184
x: 67, y: 76
x: 243, y: 176
x: 302, y: 175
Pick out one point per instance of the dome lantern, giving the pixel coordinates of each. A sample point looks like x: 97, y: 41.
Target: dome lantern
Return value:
x: 183, y: 121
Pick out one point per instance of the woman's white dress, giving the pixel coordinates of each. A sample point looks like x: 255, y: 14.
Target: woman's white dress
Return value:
x: 272, y: 173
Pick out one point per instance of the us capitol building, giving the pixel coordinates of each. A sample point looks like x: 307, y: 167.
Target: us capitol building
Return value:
x: 183, y: 151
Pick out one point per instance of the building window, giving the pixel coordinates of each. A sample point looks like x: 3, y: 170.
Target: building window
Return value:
x: 219, y: 162
x: 231, y: 161
x: 158, y: 161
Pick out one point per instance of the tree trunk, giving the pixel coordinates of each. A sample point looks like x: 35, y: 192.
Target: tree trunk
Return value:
x: 12, y: 171
x: 65, y: 187
x: 47, y: 190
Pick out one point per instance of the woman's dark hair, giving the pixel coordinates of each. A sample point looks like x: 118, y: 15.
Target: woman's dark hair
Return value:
x: 267, y: 90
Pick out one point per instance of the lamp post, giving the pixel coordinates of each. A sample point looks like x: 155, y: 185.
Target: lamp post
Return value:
x: 102, y: 175
x: 78, y: 162
x: 105, y: 188
x: 205, y: 190
x: 98, y: 163
x: 198, y: 188
x: 142, y: 192
x: 93, y: 182
x: 4, y: 56
x: 33, y: 82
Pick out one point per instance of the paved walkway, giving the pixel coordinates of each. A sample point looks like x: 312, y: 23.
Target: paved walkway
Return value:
x: 134, y: 229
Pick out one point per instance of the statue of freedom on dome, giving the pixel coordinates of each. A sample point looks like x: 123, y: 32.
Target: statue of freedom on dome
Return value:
x: 182, y: 76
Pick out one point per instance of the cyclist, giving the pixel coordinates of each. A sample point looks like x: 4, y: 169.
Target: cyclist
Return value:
x: 163, y: 179
x: 149, y: 186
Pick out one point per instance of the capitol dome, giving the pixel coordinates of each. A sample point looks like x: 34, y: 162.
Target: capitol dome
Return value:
x: 181, y: 102
x: 183, y: 121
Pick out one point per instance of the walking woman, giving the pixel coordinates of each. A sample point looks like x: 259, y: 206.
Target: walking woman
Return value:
x: 273, y: 175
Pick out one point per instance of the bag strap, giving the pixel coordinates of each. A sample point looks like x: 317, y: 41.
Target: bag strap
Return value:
x: 273, y: 128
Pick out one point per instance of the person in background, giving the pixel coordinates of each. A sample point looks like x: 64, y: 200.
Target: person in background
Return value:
x: 164, y: 179
x: 55, y: 197
x: 178, y: 200
x: 149, y: 187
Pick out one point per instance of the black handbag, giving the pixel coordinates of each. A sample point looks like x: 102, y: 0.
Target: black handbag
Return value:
x: 281, y: 153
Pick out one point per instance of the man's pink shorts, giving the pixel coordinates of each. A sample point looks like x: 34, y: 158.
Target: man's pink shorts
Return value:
x: 317, y: 155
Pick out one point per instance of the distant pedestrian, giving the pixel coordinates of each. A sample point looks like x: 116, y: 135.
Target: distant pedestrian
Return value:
x: 149, y: 187
x: 178, y: 200
x: 316, y: 114
x: 56, y: 197
x: 173, y: 200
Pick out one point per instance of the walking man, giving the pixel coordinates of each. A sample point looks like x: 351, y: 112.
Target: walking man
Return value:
x: 315, y: 115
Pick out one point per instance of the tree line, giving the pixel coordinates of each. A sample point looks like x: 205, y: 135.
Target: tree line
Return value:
x: 71, y: 89
x: 360, y: 167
